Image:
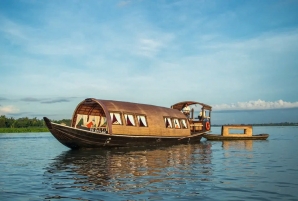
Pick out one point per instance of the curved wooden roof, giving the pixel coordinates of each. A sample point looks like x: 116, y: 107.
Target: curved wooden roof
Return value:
x: 99, y: 107
x: 181, y: 105
x: 112, y: 105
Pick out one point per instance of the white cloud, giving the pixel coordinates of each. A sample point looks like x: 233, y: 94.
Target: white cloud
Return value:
x: 123, y: 3
x: 256, y: 105
x: 148, y: 47
x: 12, y: 30
x: 9, y: 109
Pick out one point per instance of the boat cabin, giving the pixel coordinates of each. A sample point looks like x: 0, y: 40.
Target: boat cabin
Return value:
x: 122, y: 118
x: 199, y: 115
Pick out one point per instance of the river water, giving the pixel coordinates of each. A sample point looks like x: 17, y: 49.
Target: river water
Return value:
x: 35, y: 166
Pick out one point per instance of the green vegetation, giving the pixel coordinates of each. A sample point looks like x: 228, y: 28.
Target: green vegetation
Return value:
x: 24, y: 130
x: 267, y: 124
x: 24, y: 124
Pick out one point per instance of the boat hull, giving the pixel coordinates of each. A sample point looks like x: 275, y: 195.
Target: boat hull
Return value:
x: 75, y: 138
x: 221, y: 137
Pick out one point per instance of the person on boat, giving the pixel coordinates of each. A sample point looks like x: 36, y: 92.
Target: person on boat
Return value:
x: 186, y: 110
x: 200, y: 116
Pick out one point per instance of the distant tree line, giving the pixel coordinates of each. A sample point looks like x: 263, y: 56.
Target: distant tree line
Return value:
x: 26, y: 122
x: 267, y: 124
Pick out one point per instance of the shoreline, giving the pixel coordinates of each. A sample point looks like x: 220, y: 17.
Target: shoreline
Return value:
x: 24, y: 130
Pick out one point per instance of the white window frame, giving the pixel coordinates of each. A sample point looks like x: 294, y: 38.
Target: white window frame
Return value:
x: 169, y: 121
x: 176, y: 122
x: 117, y: 116
x: 131, y: 119
x: 184, y: 124
x: 143, y: 119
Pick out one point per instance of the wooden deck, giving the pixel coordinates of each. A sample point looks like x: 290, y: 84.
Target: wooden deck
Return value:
x: 246, y: 135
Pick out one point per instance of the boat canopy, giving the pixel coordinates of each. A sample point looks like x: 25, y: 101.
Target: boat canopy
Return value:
x: 181, y: 105
x: 113, y: 113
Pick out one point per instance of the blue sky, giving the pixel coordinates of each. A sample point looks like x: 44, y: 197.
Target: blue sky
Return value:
x: 234, y: 55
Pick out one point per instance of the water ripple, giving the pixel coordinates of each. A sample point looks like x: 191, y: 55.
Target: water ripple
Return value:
x: 38, y: 167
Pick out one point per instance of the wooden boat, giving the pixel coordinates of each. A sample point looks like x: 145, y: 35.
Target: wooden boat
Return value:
x: 220, y: 137
x: 226, y: 135
x: 107, y: 123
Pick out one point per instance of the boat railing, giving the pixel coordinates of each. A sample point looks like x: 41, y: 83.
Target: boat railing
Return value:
x: 199, y: 125
x: 196, y: 125
x: 94, y: 129
x: 99, y: 129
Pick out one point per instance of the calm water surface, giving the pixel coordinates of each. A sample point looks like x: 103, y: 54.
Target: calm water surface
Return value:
x: 36, y: 166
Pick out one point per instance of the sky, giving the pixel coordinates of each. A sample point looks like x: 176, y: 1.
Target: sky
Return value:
x: 240, y: 57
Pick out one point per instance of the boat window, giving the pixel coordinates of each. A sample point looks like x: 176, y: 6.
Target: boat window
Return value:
x: 183, y: 123
x: 79, y: 117
x: 91, y: 121
x: 116, y: 118
x: 168, y: 122
x: 176, y: 123
x: 85, y: 119
x: 142, y: 122
x: 129, y: 120
x: 102, y: 122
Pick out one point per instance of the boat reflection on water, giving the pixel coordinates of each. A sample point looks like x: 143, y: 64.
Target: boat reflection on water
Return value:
x: 242, y: 149
x: 121, y: 169
x: 247, y: 145
x: 238, y: 144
